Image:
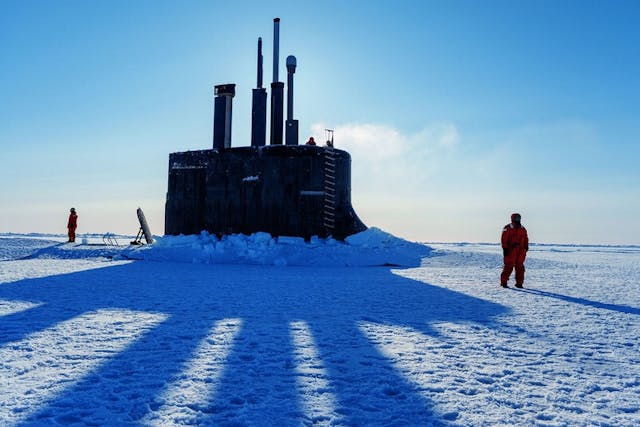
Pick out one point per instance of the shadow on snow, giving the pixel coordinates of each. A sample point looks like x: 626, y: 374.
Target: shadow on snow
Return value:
x: 258, y: 382
x: 601, y: 305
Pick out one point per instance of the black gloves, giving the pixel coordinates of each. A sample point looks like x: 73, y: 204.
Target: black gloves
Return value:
x: 505, y: 251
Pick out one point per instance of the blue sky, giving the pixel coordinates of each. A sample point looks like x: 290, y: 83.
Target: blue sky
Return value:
x: 456, y: 113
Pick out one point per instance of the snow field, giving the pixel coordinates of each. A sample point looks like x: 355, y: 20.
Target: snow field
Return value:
x: 318, y: 401
x: 89, y: 341
x: 193, y: 387
x: 567, y: 353
x: 63, y: 353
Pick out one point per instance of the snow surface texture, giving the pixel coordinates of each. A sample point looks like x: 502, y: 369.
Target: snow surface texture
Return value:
x: 202, y: 331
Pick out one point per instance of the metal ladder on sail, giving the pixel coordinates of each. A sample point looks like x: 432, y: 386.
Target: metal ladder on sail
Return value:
x: 329, y: 219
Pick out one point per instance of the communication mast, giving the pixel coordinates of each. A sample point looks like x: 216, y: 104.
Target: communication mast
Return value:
x: 328, y: 133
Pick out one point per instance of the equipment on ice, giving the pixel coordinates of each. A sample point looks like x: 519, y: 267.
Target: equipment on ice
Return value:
x: 109, y: 239
x: 144, y: 230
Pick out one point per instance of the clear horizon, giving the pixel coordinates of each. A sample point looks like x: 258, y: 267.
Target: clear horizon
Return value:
x: 96, y: 238
x: 455, y: 114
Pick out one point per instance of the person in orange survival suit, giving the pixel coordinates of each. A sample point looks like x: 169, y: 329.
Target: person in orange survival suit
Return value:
x: 72, y: 225
x: 515, y: 244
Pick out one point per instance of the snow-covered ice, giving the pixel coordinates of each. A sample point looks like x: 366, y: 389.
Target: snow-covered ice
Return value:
x: 251, y: 330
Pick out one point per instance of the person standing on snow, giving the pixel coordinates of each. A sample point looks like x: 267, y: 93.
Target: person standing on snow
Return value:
x: 72, y: 225
x: 515, y: 244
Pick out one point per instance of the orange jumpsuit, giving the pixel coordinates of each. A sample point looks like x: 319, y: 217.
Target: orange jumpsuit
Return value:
x: 515, y: 244
x: 72, y: 225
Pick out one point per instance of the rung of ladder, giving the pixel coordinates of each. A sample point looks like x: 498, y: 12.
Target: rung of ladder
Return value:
x: 329, y: 190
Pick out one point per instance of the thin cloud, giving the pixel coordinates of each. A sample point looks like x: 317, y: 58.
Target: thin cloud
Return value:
x: 388, y: 160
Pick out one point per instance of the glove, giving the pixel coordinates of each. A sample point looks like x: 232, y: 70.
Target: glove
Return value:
x: 505, y: 251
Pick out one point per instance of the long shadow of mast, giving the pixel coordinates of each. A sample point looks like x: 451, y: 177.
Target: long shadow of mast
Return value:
x: 257, y: 384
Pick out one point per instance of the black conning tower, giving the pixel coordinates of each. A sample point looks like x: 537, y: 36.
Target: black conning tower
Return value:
x: 285, y: 190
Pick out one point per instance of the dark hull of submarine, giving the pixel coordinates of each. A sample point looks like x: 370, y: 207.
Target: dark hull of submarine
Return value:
x: 284, y: 190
